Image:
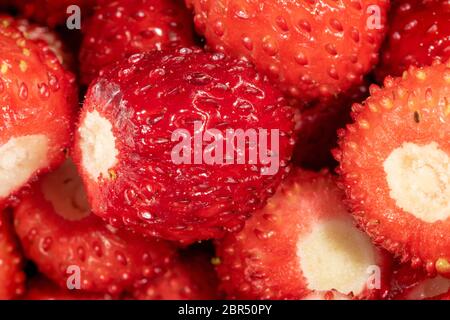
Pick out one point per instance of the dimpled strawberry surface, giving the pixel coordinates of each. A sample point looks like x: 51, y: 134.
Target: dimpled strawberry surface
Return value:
x: 224, y: 150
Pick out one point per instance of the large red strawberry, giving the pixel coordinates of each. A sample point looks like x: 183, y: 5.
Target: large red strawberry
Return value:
x: 395, y: 166
x: 40, y: 288
x: 310, y: 48
x: 192, y: 277
x: 124, y: 27
x: 55, y: 12
x: 302, y: 245
x: 12, y: 278
x: 182, y: 144
x: 38, y: 101
x: 419, y: 31
x: 65, y: 240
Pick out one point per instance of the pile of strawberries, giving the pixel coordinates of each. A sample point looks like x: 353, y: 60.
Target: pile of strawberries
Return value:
x: 343, y: 193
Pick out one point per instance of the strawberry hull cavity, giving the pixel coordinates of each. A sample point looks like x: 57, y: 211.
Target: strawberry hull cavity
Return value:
x: 143, y: 144
x: 121, y: 28
x: 62, y: 237
x: 38, y: 109
x: 395, y: 166
x: 302, y: 245
x: 309, y: 48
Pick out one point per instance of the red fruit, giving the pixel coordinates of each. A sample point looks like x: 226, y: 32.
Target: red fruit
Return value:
x: 302, y: 245
x: 395, y: 166
x: 192, y: 277
x: 40, y: 288
x: 121, y: 28
x: 410, y: 284
x: 12, y: 278
x: 46, y: 38
x: 419, y: 31
x: 310, y: 48
x: 318, y: 125
x: 38, y: 99
x: 54, y: 12
x: 60, y: 235
x: 138, y: 116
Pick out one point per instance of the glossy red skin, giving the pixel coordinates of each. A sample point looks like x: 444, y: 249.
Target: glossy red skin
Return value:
x: 47, y: 38
x: 318, y: 125
x: 261, y: 261
x: 121, y: 28
x: 309, y: 48
x: 419, y: 31
x: 109, y: 260
x: 192, y: 277
x: 40, y: 288
x: 383, y: 123
x: 12, y: 277
x: 193, y: 201
x: 42, y: 100
x: 52, y: 12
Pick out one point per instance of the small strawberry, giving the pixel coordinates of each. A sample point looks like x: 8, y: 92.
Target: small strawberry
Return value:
x: 61, y: 237
x: 12, y: 277
x: 121, y: 28
x: 419, y: 31
x: 54, y: 12
x: 192, y: 277
x: 38, y: 101
x: 395, y: 166
x: 40, y: 288
x: 302, y: 245
x: 142, y: 120
x: 311, y: 48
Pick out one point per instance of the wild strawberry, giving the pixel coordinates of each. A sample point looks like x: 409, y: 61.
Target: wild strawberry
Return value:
x: 46, y: 37
x: 38, y: 99
x: 419, y: 31
x: 318, y: 125
x: 121, y: 28
x: 12, y: 278
x: 192, y: 277
x: 395, y: 166
x: 142, y: 120
x: 410, y: 284
x: 54, y: 12
x: 40, y: 288
x: 301, y: 245
x: 309, y: 48
x: 64, y: 240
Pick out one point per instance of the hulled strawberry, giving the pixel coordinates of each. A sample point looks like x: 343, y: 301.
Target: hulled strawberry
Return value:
x: 121, y: 28
x: 419, y: 32
x: 309, y: 48
x: 302, y: 245
x: 38, y: 99
x: 66, y: 241
x: 12, y: 277
x: 55, y: 12
x: 395, y: 166
x: 192, y: 277
x: 411, y: 284
x: 182, y: 144
x: 40, y: 288
x: 318, y: 125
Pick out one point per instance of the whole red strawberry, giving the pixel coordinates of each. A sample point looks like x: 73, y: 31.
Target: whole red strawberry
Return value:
x: 419, y: 31
x: 120, y: 28
x: 302, y: 245
x: 310, y: 48
x: 167, y: 143
x: 54, y: 12
x: 12, y: 277
x: 60, y: 235
x: 38, y: 101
